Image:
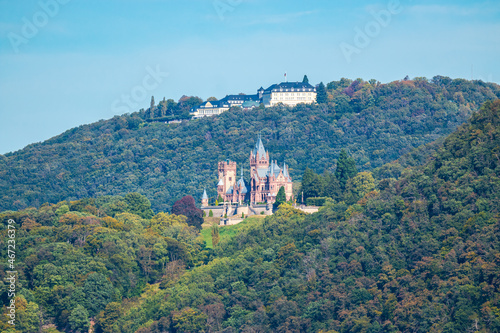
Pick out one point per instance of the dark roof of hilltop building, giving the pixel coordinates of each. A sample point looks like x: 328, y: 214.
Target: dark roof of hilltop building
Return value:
x: 288, y: 86
x: 242, y: 98
x: 215, y: 104
x: 255, y: 100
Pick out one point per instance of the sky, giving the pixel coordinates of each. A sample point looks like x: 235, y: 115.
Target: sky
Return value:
x: 64, y: 63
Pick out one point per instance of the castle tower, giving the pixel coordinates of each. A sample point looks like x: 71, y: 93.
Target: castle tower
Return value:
x: 241, y: 189
x: 266, y: 178
x: 259, y: 157
x: 227, y: 180
x: 204, y: 199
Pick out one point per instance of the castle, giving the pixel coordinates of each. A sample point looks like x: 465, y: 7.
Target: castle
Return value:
x: 286, y: 93
x: 266, y: 179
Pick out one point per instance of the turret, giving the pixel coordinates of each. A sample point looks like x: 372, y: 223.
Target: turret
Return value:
x: 204, y: 199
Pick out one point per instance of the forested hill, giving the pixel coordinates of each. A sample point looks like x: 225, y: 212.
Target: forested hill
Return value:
x: 420, y: 254
x: 376, y: 122
x: 417, y: 254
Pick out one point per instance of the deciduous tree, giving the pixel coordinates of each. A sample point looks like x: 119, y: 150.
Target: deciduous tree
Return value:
x: 186, y: 206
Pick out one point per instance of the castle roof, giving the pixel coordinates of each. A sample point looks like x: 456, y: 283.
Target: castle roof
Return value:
x: 221, y: 182
x: 241, y: 183
x: 285, y: 172
x: 205, y: 196
x: 259, y: 148
x: 273, y: 169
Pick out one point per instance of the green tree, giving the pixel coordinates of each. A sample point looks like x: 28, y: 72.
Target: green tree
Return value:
x: 107, y: 319
x: 358, y: 186
x: 331, y: 186
x: 152, y: 107
x: 210, y: 213
x: 189, y: 320
x: 312, y: 184
x: 219, y: 200
x: 27, y: 316
x: 138, y: 204
x: 79, y: 319
x: 98, y: 292
x: 342, y: 105
x: 321, y: 94
x: 62, y: 210
x: 280, y: 197
x: 346, y: 168
x: 162, y: 221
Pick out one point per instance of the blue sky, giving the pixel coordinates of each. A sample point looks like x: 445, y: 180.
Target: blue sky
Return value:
x: 84, y: 57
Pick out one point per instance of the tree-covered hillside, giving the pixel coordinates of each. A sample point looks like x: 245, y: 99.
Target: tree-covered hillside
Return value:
x: 420, y: 253
x: 376, y: 122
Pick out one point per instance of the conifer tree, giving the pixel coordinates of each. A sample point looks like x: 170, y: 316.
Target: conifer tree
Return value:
x: 321, y: 95
x: 280, y: 197
x: 152, y: 107
x: 346, y: 168
x: 312, y: 185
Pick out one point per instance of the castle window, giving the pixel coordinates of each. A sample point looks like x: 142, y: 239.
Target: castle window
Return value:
x: 230, y: 179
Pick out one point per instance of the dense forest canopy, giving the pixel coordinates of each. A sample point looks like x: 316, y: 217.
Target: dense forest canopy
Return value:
x: 417, y: 253
x: 376, y: 123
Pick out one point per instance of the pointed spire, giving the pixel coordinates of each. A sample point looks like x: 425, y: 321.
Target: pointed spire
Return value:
x: 205, y: 196
x: 259, y: 148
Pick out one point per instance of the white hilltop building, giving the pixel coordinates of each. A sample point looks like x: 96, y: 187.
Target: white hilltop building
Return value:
x: 286, y: 93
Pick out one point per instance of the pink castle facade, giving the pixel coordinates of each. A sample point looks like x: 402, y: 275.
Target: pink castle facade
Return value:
x: 266, y: 178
